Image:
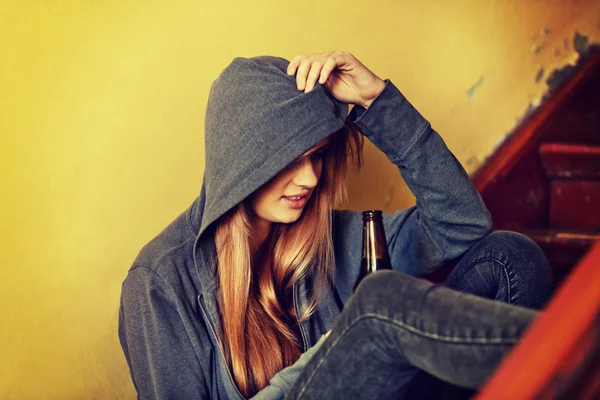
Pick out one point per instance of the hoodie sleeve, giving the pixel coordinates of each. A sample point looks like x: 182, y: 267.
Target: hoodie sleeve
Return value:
x: 449, y: 216
x: 162, y: 361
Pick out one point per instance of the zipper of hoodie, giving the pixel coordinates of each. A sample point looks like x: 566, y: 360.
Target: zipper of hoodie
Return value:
x: 220, y: 349
x: 302, y: 333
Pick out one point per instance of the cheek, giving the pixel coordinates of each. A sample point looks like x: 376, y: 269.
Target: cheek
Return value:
x: 268, y: 194
x: 318, y: 168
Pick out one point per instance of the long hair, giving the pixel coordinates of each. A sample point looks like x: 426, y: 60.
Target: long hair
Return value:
x: 260, y: 324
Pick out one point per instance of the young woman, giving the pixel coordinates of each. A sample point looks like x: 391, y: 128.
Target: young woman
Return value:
x: 248, y: 293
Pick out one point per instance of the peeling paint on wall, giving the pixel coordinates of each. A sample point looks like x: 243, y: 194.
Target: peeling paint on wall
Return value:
x: 537, y: 48
x: 474, y: 162
x: 471, y: 91
x: 540, y: 74
x: 580, y: 43
x: 389, y: 197
x: 555, y: 78
x: 558, y: 77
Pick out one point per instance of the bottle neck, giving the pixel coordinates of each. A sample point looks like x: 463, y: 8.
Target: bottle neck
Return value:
x: 374, y: 242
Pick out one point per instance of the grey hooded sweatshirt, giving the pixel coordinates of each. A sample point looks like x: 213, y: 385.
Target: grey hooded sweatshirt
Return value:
x: 257, y: 122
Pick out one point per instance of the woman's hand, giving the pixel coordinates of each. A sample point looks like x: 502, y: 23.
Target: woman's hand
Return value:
x: 346, y: 78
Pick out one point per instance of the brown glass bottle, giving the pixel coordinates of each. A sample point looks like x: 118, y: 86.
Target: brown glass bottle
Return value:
x: 375, y: 254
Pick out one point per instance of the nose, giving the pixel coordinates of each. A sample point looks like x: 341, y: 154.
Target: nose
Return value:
x: 306, y: 175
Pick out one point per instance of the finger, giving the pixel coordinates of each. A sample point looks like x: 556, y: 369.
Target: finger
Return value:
x: 313, y: 75
x: 301, y: 73
x: 293, y: 65
x: 329, y: 66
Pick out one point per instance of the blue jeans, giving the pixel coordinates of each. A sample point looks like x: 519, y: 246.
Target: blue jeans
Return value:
x: 397, y: 329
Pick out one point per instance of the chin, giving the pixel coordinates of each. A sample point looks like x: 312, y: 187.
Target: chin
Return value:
x: 288, y: 219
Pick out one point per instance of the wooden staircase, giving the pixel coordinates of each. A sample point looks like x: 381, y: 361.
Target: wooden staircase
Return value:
x: 545, y: 180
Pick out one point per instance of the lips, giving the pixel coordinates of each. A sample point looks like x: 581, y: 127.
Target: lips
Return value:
x: 296, y: 201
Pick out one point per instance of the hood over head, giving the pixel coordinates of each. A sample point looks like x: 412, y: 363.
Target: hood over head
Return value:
x: 257, y: 122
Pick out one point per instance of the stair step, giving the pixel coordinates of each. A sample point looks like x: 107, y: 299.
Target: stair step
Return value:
x: 571, y: 161
x: 575, y: 205
x: 563, y: 248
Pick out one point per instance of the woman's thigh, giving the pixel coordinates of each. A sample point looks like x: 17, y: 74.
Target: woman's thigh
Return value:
x: 396, y: 325
x: 504, y: 266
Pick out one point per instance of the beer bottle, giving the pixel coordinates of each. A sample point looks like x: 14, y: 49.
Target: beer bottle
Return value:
x: 375, y: 254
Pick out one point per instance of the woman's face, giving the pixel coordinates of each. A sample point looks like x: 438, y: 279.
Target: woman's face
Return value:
x: 284, y: 197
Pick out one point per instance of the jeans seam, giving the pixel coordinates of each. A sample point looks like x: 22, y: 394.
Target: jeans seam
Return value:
x: 404, y: 326
x: 504, y: 268
x: 449, y: 339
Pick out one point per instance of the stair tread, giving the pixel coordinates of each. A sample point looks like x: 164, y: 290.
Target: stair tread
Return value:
x: 569, y: 148
x: 563, y: 247
x: 562, y: 235
x: 567, y: 160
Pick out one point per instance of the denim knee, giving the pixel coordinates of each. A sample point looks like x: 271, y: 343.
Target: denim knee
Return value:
x: 516, y: 269
x: 520, y: 247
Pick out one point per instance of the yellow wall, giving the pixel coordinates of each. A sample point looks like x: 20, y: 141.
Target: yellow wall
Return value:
x: 101, y: 113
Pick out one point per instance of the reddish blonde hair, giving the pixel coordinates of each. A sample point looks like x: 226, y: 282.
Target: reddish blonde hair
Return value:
x: 257, y: 311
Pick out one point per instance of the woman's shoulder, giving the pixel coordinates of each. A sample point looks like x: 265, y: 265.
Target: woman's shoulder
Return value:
x: 167, y: 260
x: 172, y: 245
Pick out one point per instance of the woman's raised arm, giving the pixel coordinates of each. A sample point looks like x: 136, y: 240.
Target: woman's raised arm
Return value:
x: 449, y: 216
